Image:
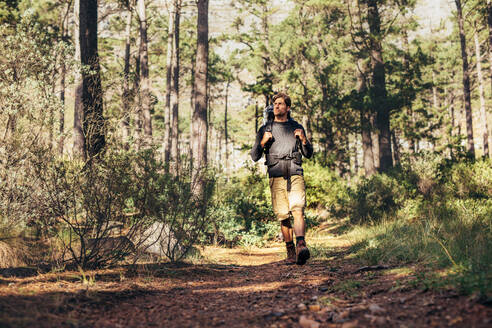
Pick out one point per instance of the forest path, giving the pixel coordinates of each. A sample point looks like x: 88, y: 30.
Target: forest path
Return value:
x: 238, y: 288
x: 255, y: 288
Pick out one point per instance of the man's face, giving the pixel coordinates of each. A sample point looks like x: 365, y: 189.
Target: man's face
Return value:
x: 280, y: 107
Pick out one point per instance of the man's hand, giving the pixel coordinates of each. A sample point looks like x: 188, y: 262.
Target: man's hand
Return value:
x: 266, y: 137
x: 300, y: 133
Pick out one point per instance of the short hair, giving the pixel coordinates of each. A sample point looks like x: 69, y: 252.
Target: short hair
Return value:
x: 284, y: 97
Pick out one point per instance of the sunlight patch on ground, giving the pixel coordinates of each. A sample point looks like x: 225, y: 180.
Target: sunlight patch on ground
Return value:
x: 400, y: 272
x: 329, y: 240
x: 244, y: 256
x: 256, y: 287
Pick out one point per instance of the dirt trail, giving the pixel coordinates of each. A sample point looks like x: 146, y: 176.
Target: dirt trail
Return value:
x: 235, y: 288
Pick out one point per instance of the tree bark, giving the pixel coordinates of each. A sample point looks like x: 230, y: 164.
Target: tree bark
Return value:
x: 365, y: 123
x: 125, y: 123
x: 78, y: 115
x: 396, y: 148
x: 137, y: 114
x: 378, y: 88
x: 63, y: 73
x: 489, y: 23
x: 466, y: 82
x: 89, y: 122
x: 483, y: 112
x: 199, y: 124
x: 144, y: 74
x: 226, y: 136
x: 356, y: 159
x: 169, y: 61
x: 174, y: 100
x: 92, y: 95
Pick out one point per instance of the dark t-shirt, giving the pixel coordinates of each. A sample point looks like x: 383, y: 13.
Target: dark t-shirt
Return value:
x: 284, y: 143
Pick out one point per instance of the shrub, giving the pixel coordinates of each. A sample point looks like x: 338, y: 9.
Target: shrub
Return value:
x: 325, y: 189
x: 470, y: 180
x: 450, y: 228
x: 374, y: 199
x: 100, y: 210
x: 240, y: 212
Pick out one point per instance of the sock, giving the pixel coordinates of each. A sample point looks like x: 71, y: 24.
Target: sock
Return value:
x: 299, y: 238
x: 289, y: 243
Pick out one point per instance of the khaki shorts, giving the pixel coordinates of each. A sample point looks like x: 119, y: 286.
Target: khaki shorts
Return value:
x: 285, y: 202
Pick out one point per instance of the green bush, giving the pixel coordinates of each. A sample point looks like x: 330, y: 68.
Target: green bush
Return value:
x: 374, y: 199
x: 449, y: 228
x: 421, y: 174
x: 241, y: 212
x: 325, y: 189
x: 470, y: 180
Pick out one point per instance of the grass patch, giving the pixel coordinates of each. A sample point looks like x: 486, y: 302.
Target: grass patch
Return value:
x: 322, y: 252
x: 350, y: 287
x: 454, y: 237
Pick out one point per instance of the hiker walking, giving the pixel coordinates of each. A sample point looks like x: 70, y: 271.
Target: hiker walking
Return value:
x: 284, y: 142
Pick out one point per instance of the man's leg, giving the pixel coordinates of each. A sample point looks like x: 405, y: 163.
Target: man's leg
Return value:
x: 297, y: 202
x: 299, y: 223
x: 280, y: 202
x: 287, y: 231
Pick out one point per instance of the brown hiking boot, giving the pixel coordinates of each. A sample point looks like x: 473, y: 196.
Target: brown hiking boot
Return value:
x: 302, y: 252
x: 291, y: 255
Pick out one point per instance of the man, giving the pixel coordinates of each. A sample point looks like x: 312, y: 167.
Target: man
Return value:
x: 284, y: 141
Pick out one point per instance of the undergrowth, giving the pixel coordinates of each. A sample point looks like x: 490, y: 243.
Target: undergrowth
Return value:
x: 444, y: 223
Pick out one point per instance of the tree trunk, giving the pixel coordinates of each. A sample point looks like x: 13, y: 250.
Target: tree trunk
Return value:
x: 375, y: 140
x: 489, y: 23
x: 365, y: 123
x: 125, y: 123
x: 199, y: 124
x: 466, y: 82
x: 378, y: 88
x: 94, y: 124
x: 89, y: 123
x: 226, y: 136
x: 396, y: 148
x: 78, y: 115
x: 137, y: 114
x: 169, y: 62
x: 61, y: 113
x: 63, y: 74
x: 356, y: 151
x: 483, y: 112
x: 174, y: 96
x: 144, y: 74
